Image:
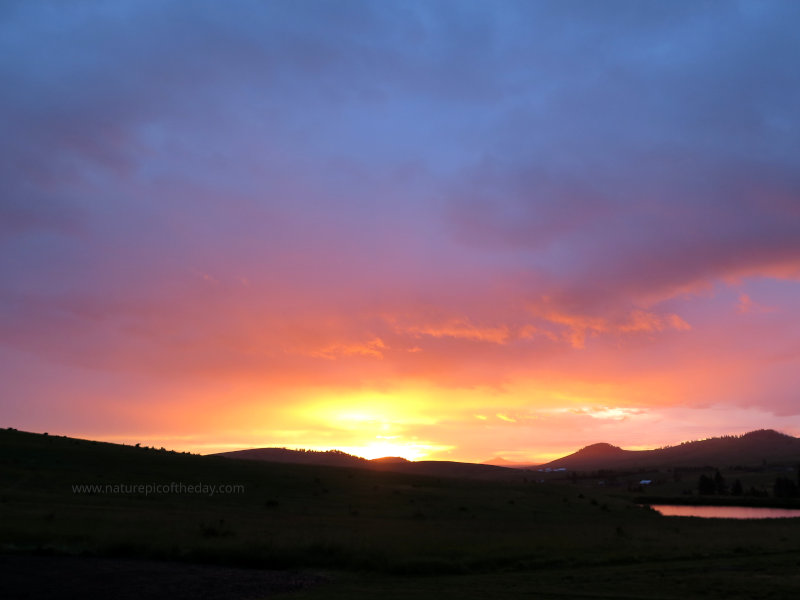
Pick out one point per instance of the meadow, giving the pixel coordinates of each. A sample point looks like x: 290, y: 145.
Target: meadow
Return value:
x: 371, y: 533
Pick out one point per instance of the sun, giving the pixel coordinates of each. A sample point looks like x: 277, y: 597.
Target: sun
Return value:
x: 395, y: 446
x: 387, y: 447
x: 373, y: 425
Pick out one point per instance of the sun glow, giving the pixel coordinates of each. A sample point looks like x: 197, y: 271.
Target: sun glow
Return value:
x: 381, y: 448
x: 369, y: 409
x: 374, y: 424
x: 385, y: 447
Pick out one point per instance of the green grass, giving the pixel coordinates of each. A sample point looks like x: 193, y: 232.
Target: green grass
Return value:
x: 378, y: 530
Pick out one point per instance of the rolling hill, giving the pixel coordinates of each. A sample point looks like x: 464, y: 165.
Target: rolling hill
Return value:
x: 757, y: 448
x: 762, y: 447
x: 332, y: 458
x: 336, y: 458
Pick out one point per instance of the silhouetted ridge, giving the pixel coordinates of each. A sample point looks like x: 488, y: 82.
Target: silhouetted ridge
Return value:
x: 767, y: 435
x: 760, y: 447
x: 501, y: 462
x: 335, y: 458
x: 338, y: 458
x: 388, y: 460
x: 601, y: 449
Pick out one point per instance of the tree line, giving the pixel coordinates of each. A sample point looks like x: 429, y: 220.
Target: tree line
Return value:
x: 783, y: 487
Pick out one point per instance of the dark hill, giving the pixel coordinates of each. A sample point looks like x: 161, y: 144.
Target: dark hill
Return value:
x: 502, y: 462
x: 445, y: 468
x: 756, y: 448
x: 389, y: 460
x: 336, y: 458
x: 588, y: 457
x: 333, y: 458
x: 600, y: 451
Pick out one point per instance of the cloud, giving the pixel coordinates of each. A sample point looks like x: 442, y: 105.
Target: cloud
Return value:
x: 456, y: 328
x: 348, y: 196
x: 371, y: 348
x: 606, y: 413
x: 636, y: 321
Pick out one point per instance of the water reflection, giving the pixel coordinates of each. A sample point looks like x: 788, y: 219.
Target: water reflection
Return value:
x: 725, y: 512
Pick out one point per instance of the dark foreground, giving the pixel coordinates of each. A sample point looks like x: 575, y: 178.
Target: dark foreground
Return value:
x: 67, y: 577
x: 328, y: 533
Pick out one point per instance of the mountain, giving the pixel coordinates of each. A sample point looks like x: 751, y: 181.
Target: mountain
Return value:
x: 333, y: 458
x: 756, y: 448
x: 600, y: 451
x: 396, y: 464
x: 764, y: 446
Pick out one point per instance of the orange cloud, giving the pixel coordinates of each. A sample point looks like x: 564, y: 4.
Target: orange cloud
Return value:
x: 578, y: 326
x: 458, y: 329
x: 372, y: 348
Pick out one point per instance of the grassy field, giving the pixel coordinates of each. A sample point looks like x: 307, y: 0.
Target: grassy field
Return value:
x: 380, y: 533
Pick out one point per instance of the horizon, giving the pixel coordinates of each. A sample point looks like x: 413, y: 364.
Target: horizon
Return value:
x: 500, y: 458
x: 446, y: 231
x: 379, y: 457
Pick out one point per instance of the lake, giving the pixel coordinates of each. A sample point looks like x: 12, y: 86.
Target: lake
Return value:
x: 725, y: 512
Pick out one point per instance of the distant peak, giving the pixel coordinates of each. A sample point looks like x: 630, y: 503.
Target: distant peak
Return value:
x: 599, y: 449
x: 765, y: 434
x: 498, y: 461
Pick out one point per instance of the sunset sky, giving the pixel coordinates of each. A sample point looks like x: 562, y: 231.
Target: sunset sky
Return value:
x: 439, y: 229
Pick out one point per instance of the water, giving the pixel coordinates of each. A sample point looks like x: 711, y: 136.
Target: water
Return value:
x: 725, y: 512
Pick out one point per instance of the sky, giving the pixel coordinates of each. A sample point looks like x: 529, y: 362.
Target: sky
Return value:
x: 450, y: 230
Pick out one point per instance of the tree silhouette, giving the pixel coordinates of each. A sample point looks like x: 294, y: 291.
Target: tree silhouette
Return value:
x: 720, y: 486
x: 705, y: 485
x: 785, y: 488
